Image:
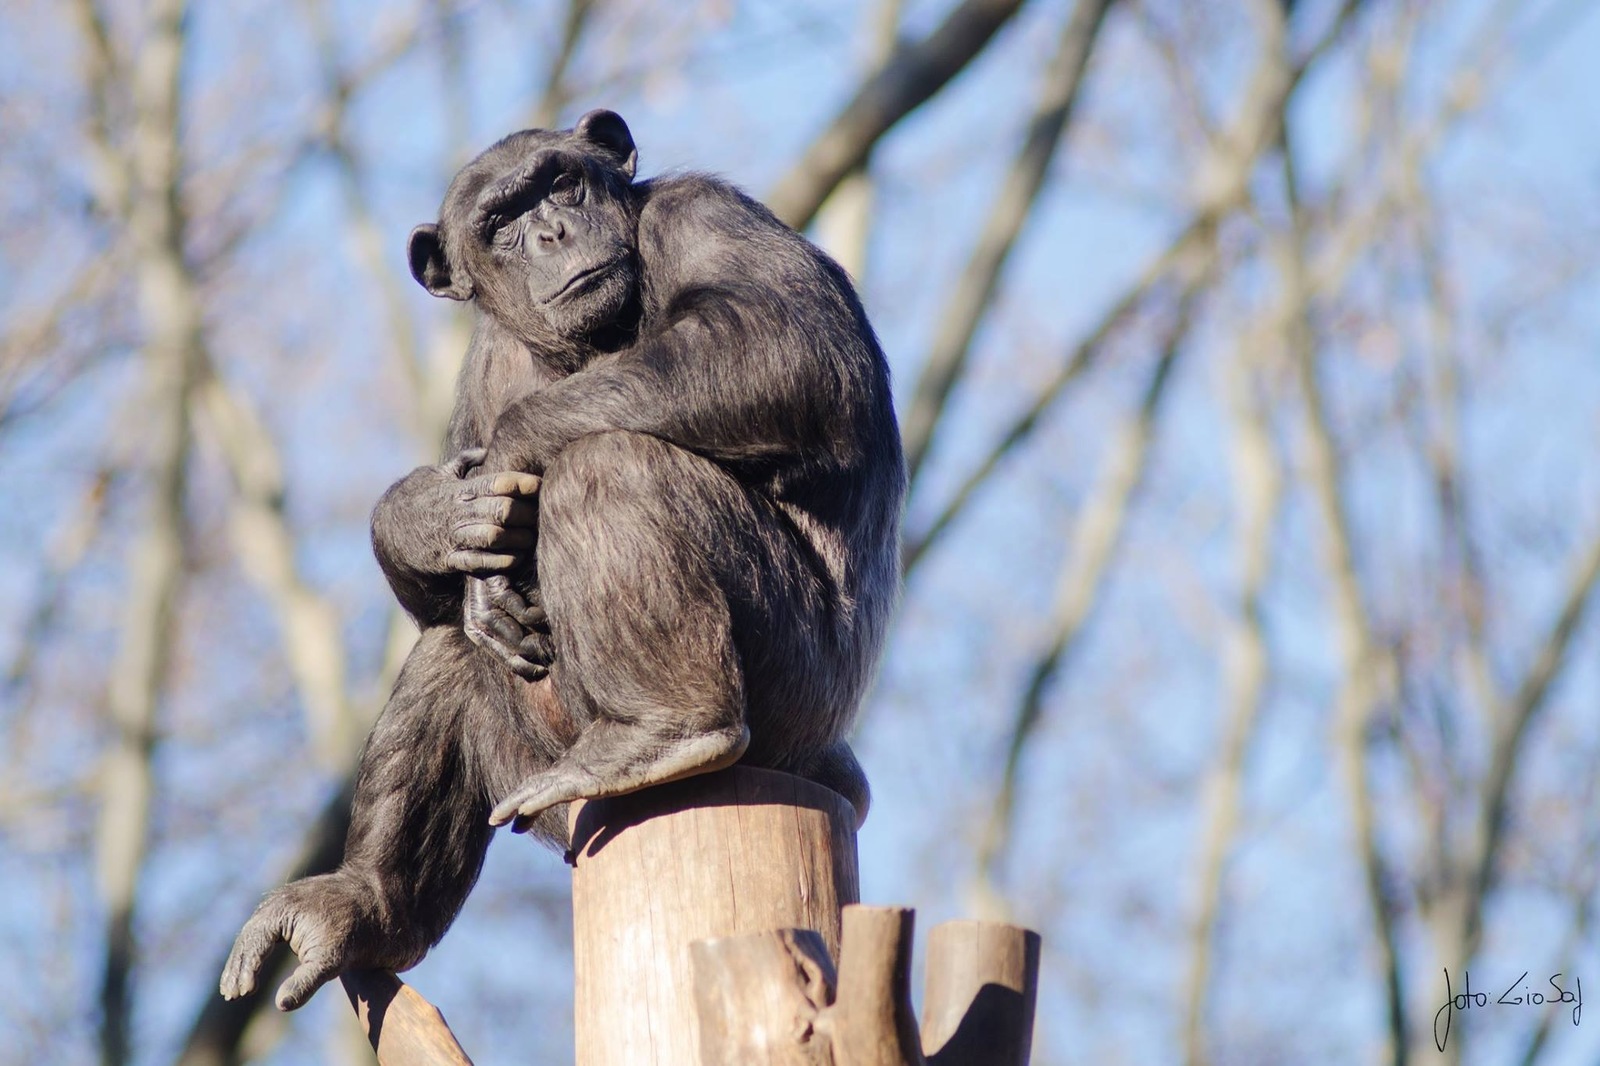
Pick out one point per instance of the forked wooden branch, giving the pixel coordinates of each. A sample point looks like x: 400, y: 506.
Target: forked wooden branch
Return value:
x: 770, y: 997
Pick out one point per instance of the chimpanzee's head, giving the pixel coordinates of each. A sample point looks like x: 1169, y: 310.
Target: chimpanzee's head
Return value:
x: 540, y: 230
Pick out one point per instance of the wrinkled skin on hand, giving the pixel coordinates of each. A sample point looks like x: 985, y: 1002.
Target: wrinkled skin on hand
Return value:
x: 330, y: 923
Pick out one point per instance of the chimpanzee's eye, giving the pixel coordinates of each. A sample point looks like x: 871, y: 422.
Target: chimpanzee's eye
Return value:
x: 566, y: 190
x: 506, y: 237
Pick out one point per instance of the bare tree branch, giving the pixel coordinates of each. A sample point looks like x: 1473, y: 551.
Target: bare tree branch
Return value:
x: 1361, y: 661
x: 1573, y: 947
x: 103, y: 71
x: 1258, y: 492
x: 844, y: 222
x: 65, y: 552
x: 1083, y: 356
x: 1221, y: 186
x: 1511, y: 725
x: 340, y: 86
x: 220, y: 1025
x: 265, y: 547
x: 1013, y: 203
x: 553, y: 93
x: 171, y: 313
x: 33, y: 340
x: 1092, y: 548
x: 914, y: 74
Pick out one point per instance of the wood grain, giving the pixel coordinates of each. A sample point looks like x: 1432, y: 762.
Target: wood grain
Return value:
x: 403, y: 1028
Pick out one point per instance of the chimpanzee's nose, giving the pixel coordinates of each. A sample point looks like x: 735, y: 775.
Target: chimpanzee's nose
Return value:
x: 553, y: 233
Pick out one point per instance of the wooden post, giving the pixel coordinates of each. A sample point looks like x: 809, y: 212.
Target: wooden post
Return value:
x: 761, y: 997
x: 739, y: 851
x: 979, y: 994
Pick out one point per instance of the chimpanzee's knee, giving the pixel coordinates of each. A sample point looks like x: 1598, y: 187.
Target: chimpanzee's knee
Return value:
x: 620, y: 511
x: 603, y: 471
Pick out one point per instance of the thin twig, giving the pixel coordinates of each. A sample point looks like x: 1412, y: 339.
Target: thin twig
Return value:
x: 1092, y: 548
x: 1258, y: 492
x: 1361, y: 663
x: 553, y: 91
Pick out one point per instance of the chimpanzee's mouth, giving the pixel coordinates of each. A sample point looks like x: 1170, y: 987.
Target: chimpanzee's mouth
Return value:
x: 587, y: 277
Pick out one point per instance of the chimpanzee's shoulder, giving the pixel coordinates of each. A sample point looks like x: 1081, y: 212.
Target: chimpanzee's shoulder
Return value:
x: 699, y: 200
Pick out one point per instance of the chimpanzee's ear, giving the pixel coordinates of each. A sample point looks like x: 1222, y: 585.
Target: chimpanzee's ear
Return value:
x: 606, y: 129
x: 430, y: 266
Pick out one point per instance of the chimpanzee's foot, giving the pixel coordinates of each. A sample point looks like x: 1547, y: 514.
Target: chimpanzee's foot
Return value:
x: 838, y: 770
x: 612, y: 758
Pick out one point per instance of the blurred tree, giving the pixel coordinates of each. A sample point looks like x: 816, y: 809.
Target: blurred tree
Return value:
x: 1246, y: 366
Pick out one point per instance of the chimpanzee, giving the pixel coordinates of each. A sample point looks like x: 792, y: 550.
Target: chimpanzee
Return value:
x: 664, y: 538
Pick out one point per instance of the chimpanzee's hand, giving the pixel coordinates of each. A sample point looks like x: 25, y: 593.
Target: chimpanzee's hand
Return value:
x: 331, y: 922
x: 497, y: 617
x: 493, y: 518
x: 449, y: 519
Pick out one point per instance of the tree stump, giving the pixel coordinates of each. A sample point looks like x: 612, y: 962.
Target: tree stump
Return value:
x: 741, y: 851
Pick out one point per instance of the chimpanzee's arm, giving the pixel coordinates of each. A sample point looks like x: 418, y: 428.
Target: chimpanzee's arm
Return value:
x: 731, y: 377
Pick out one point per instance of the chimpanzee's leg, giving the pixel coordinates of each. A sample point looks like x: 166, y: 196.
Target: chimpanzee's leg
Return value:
x: 686, y: 620
x: 456, y: 724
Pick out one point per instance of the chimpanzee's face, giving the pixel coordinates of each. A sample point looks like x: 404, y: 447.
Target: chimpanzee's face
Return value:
x: 540, y: 229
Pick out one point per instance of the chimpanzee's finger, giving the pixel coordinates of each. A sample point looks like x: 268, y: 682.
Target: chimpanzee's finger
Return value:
x: 536, y: 648
x: 521, y: 513
x: 484, y: 535
x: 535, y: 617
x: 500, y: 511
x: 255, y: 941
x: 490, y: 638
x: 472, y: 562
x: 505, y: 483
x: 306, y: 979
x: 509, y: 600
x: 528, y: 671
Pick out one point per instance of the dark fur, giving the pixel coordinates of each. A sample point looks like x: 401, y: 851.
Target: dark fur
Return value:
x: 716, y: 552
